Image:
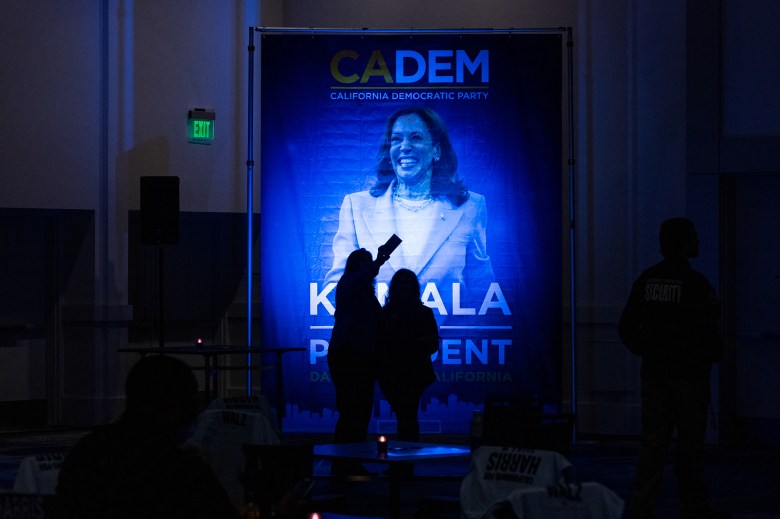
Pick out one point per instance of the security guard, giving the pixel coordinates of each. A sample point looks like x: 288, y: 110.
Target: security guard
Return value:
x: 671, y: 321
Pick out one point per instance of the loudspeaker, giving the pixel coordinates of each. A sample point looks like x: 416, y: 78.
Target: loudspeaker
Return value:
x: 160, y: 210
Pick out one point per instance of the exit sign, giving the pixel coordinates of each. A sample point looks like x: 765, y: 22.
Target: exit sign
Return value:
x: 200, y: 126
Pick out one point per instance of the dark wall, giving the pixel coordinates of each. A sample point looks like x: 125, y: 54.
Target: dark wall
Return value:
x: 47, y: 278
x: 203, y: 275
x: 733, y: 134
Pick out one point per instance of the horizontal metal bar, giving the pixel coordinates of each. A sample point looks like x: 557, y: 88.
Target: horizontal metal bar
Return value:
x: 365, y: 30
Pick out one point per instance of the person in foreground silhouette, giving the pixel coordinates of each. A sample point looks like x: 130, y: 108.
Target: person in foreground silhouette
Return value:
x: 411, y: 337
x: 352, y: 352
x: 671, y: 321
x: 136, y: 467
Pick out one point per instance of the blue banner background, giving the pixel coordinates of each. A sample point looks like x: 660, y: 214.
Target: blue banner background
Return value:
x: 319, y: 139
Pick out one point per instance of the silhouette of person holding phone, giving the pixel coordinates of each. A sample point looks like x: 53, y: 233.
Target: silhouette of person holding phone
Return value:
x: 353, y: 347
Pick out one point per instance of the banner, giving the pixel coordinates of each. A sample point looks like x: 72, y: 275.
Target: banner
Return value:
x: 486, y: 243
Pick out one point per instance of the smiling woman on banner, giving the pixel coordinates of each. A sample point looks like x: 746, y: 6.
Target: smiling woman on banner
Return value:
x: 419, y: 196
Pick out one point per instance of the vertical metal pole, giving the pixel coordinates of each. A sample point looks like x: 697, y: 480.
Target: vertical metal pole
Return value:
x: 573, y: 284
x: 250, y: 164
x: 160, y: 297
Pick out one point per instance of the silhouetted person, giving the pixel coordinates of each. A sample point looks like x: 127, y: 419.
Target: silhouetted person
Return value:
x: 135, y: 468
x: 411, y: 337
x: 352, y: 352
x: 671, y: 321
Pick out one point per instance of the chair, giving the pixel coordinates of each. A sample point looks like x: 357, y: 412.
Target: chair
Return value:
x: 588, y: 500
x: 513, y: 421
x: 496, y: 472
x: 38, y: 474
x: 220, y: 434
x: 255, y: 403
x: 27, y: 506
x: 555, y: 432
x: 280, y: 480
x: 509, y: 421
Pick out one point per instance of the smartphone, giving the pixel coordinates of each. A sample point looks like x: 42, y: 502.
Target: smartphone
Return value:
x: 392, y: 243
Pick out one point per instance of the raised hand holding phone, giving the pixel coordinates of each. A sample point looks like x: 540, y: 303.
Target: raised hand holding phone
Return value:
x: 383, y: 254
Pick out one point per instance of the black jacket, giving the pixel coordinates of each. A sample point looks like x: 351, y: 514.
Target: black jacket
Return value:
x: 411, y: 337
x: 671, y: 321
x: 358, y: 318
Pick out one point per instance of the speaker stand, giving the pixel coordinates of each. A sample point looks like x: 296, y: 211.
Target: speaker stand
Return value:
x: 160, y: 298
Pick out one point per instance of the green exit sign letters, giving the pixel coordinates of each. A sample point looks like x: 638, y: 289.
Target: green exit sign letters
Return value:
x: 200, y: 126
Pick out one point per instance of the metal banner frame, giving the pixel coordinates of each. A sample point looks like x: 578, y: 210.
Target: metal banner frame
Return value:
x: 571, y: 162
